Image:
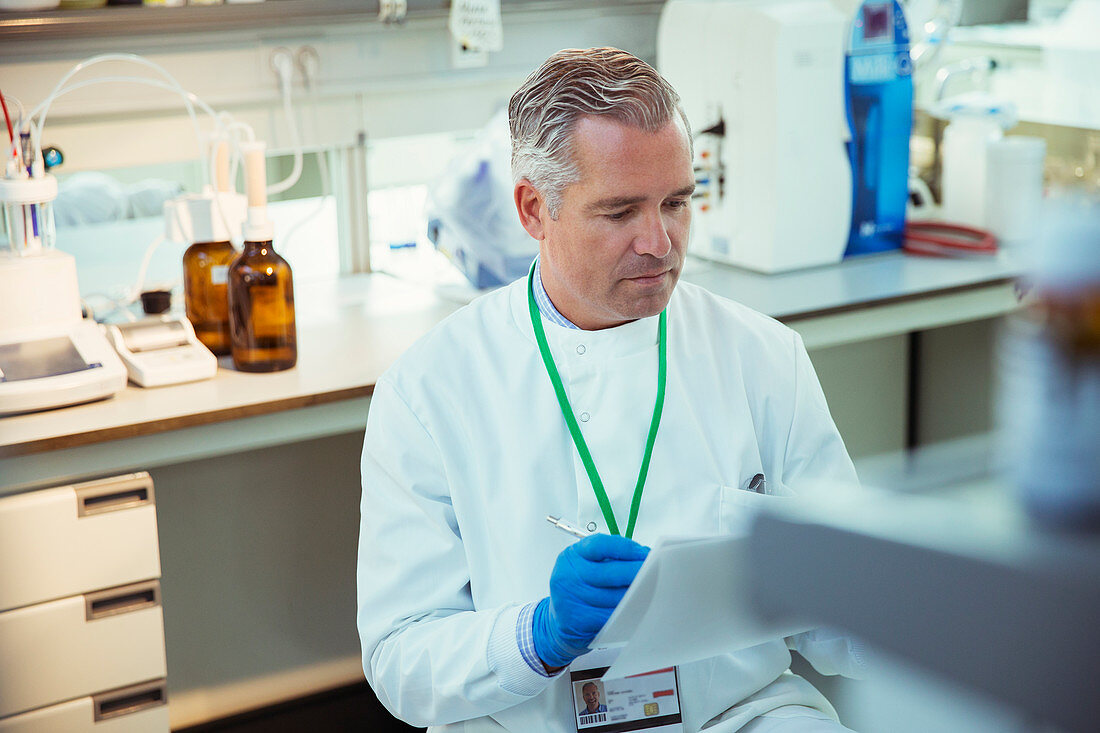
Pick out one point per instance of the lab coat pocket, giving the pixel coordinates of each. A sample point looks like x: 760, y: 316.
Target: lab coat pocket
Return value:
x: 740, y: 505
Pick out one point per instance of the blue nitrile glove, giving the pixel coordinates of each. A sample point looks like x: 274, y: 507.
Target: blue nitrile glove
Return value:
x: 588, y: 581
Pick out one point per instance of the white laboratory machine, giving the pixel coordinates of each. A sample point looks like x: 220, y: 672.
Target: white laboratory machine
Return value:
x: 49, y: 355
x: 162, y: 350
x: 762, y: 82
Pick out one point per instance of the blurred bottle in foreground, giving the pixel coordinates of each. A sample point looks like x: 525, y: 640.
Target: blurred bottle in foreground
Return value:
x: 1049, y: 392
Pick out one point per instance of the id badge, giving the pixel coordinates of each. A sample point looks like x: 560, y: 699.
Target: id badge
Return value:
x: 644, y: 702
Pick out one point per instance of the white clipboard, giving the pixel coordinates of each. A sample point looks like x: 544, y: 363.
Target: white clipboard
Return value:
x: 688, y: 602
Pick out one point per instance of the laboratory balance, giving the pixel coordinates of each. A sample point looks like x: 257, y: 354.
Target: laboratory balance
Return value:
x: 50, y: 356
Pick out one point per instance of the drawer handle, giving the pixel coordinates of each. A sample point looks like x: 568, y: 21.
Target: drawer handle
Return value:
x: 126, y: 599
x: 129, y: 700
x: 108, y: 495
x: 117, y: 500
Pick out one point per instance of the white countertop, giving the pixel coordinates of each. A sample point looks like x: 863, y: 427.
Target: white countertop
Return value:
x: 861, y: 281
x: 350, y: 330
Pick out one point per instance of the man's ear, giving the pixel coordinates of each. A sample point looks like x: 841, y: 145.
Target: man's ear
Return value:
x: 530, y: 208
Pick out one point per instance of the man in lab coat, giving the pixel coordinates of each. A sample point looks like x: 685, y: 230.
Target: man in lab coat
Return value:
x: 596, y: 390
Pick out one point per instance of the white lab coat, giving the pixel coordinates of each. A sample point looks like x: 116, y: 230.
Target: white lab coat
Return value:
x: 466, y: 453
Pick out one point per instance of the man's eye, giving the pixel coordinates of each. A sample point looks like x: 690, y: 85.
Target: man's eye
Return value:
x: 619, y: 215
x: 678, y: 203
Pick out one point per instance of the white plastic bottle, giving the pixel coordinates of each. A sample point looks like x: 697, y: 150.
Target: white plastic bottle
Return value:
x: 1014, y: 188
x: 964, y: 168
x: 975, y: 120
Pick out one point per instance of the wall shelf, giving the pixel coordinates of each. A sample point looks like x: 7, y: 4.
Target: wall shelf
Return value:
x: 116, y: 22
x: 134, y: 20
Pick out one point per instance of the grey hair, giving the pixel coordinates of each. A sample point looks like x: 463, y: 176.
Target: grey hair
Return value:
x: 572, y: 83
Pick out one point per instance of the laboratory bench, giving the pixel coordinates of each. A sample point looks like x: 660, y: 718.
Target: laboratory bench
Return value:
x: 349, y: 331
x: 256, y: 475
x: 352, y: 328
x: 871, y: 296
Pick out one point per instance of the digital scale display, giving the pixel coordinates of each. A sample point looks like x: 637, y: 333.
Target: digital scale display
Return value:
x: 50, y: 357
x: 878, y: 21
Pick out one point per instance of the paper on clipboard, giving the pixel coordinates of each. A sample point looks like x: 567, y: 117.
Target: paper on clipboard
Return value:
x: 688, y: 602
x: 627, y: 616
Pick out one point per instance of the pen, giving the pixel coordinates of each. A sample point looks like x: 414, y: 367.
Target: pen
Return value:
x: 565, y: 526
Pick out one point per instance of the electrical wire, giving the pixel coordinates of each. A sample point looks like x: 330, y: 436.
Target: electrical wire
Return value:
x: 118, y: 305
x: 135, y: 292
x: 322, y: 166
x: 326, y: 193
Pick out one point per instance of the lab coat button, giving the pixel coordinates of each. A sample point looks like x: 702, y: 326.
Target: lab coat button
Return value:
x: 592, y: 527
x: 585, y: 417
x: 581, y: 349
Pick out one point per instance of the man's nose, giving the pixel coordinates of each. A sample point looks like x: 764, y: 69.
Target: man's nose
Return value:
x: 653, y: 238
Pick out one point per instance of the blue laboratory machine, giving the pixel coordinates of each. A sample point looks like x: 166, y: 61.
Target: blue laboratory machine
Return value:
x: 878, y: 91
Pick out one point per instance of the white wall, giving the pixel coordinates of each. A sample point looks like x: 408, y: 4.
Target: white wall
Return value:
x: 386, y: 81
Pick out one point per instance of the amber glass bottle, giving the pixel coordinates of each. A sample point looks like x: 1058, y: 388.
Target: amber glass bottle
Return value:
x: 205, y: 277
x: 261, y: 310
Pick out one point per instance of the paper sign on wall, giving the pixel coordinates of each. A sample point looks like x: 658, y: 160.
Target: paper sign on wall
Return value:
x: 476, y: 24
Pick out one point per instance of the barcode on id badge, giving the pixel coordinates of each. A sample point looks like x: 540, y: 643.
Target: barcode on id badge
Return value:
x: 593, y: 718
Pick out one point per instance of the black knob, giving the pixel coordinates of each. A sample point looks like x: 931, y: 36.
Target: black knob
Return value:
x: 156, y: 301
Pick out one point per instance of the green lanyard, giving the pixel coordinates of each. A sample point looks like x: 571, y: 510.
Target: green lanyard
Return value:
x: 575, y: 430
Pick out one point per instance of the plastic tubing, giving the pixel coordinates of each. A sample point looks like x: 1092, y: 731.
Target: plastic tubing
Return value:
x: 171, y: 84
x: 216, y: 143
x: 36, y: 129
x: 14, y: 151
x: 296, y: 172
x: 937, y: 27
x: 102, y: 58
x: 230, y: 131
x: 7, y: 117
x: 18, y: 105
x: 231, y: 127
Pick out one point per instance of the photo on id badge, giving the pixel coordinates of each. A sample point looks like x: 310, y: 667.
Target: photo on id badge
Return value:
x: 644, y: 702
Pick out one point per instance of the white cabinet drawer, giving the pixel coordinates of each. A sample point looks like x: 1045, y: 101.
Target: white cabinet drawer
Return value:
x: 78, y: 646
x: 138, y: 709
x: 59, y: 542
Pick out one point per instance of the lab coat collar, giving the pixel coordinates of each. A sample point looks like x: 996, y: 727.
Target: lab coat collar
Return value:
x: 608, y: 343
